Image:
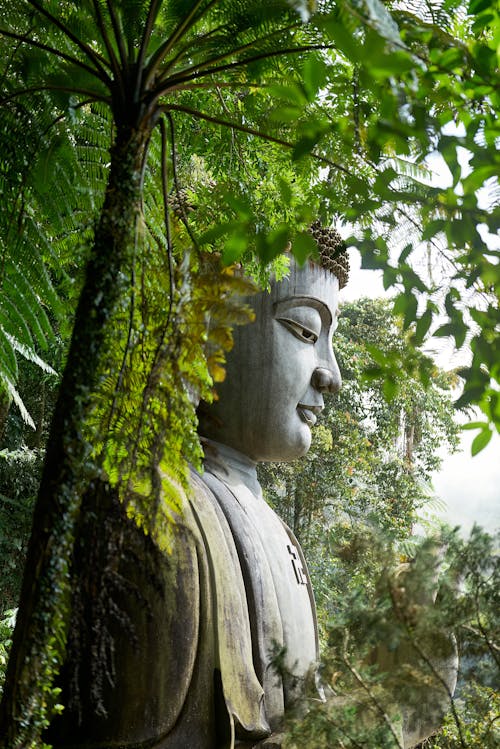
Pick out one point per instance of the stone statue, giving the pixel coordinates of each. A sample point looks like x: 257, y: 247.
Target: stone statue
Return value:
x: 190, y: 638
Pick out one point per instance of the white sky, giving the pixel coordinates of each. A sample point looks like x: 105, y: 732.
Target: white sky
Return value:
x: 469, y: 486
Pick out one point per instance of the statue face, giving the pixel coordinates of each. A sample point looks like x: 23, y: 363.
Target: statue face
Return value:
x: 279, y: 369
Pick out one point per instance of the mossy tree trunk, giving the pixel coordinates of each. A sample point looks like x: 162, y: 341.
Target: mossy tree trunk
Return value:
x: 40, y: 631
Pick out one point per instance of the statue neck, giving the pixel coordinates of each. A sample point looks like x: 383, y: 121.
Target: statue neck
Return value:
x: 231, y: 466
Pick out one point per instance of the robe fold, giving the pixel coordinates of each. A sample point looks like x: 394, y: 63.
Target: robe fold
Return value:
x: 194, y: 634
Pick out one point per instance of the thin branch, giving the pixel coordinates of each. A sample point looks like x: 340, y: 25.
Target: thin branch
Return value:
x: 164, y: 186
x: 200, y: 72
x: 339, y: 727
x: 250, y: 131
x: 231, y: 53
x: 371, y: 697
x: 441, y: 680
x: 176, y: 180
x: 489, y: 645
x: 165, y: 48
x: 66, y: 89
x: 208, y: 86
x: 13, y: 53
x: 414, y: 644
x: 153, y: 11
x: 115, y: 65
x: 235, y: 142
x: 65, y: 114
x: 53, y: 51
x: 479, y: 633
x: 96, y: 58
x: 490, y: 724
x: 153, y: 64
x: 118, y: 34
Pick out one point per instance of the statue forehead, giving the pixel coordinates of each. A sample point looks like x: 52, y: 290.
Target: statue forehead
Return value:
x: 307, y: 281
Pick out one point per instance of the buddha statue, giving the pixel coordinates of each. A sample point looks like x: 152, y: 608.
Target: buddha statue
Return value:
x: 191, y: 638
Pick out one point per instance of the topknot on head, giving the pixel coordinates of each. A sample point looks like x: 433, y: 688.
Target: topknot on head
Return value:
x: 332, y: 251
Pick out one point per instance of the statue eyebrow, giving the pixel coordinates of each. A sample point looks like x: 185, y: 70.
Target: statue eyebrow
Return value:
x: 304, y: 301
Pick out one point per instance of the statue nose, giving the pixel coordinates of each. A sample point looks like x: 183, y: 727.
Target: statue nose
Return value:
x: 326, y: 380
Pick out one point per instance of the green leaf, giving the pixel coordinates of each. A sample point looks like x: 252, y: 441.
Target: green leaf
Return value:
x: 285, y: 190
x: 475, y: 425
x: 234, y: 247
x: 303, y: 246
x: 379, y: 356
x: 406, y: 252
x: 383, y: 21
x: 390, y: 276
x: 285, y: 114
x: 476, y: 6
x: 422, y: 327
x: 444, y: 330
x: 14, y: 394
x: 410, y: 312
x: 305, y: 145
x: 344, y: 40
x: 30, y: 355
x: 314, y: 76
x: 481, y: 440
x: 291, y: 93
x: 433, y: 227
x: 390, y: 388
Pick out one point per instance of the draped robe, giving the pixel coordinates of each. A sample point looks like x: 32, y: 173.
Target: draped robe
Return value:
x: 198, y: 630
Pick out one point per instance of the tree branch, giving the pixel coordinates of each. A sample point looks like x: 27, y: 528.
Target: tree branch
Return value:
x: 96, y: 58
x: 231, y: 53
x: 115, y: 65
x: 250, y: 131
x: 184, y: 217
x: 489, y: 645
x: 153, y: 66
x: 55, y: 52
x: 152, y: 15
x: 165, y: 48
x: 200, y: 71
x: 92, y: 96
x: 440, y: 679
x: 371, y: 697
x: 118, y: 34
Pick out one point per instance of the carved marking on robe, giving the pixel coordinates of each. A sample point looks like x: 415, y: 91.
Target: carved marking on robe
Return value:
x: 300, y: 574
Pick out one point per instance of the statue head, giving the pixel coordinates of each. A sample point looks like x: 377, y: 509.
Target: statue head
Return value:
x: 281, y: 365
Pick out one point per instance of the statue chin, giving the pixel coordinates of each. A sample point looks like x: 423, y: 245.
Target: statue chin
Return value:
x: 270, y: 446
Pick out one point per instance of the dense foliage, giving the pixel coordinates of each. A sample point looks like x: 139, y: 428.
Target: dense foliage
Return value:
x: 381, y: 645
x: 267, y: 115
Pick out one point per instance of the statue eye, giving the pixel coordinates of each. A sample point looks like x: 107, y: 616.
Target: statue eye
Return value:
x: 299, y: 330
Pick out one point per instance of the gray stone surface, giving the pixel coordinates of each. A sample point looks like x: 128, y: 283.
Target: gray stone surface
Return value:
x: 279, y: 369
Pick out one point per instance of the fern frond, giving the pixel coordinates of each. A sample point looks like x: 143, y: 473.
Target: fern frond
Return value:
x: 30, y: 355
x: 13, y: 394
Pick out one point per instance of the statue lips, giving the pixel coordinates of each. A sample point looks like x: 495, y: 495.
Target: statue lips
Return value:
x: 309, y: 414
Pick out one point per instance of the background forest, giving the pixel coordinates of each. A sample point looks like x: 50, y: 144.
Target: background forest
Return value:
x: 150, y: 149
